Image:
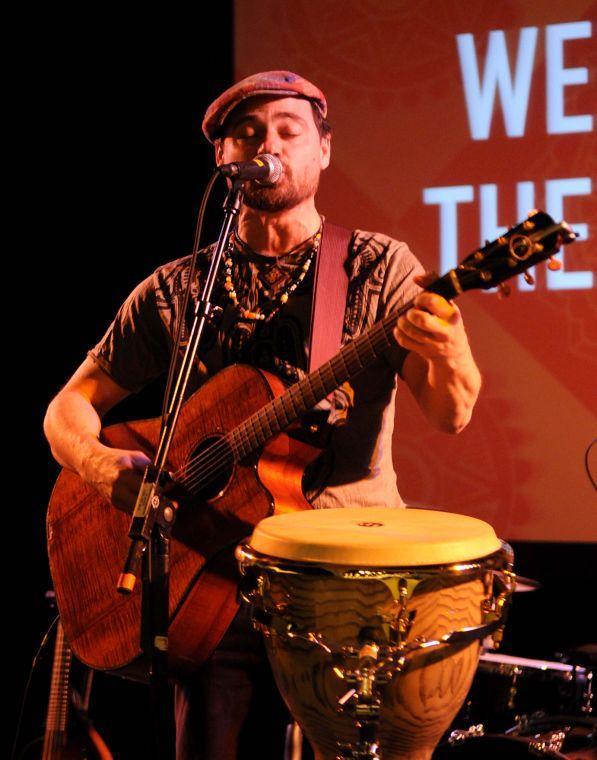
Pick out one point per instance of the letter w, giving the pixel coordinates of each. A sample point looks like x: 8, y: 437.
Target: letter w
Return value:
x: 480, y: 96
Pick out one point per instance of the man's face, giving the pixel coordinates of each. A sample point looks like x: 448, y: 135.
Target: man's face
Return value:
x: 285, y: 128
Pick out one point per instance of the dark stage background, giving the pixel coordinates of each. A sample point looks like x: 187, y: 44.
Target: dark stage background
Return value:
x: 113, y: 168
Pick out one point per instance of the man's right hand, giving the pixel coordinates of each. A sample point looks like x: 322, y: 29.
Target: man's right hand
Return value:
x: 73, y: 425
x: 116, y: 473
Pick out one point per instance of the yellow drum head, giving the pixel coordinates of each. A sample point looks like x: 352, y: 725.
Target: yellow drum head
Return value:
x: 375, y: 537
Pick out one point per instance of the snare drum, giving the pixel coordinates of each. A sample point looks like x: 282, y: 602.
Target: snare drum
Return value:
x: 561, y: 736
x: 373, y: 620
x: 507, y: 687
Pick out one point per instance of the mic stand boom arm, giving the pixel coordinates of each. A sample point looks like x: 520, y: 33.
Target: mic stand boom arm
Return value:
x: 154, y: 514
x: 148, y: 499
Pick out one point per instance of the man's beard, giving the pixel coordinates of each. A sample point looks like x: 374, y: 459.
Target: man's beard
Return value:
x: 284, y: 195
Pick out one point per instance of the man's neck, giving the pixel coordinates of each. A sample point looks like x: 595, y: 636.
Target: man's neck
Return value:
x: 275, y: 233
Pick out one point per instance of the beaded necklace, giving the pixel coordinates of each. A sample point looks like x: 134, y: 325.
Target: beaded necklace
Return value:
x: 274, y: 304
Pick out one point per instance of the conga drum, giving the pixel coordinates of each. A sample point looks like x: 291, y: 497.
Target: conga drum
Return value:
x: 373, y: 620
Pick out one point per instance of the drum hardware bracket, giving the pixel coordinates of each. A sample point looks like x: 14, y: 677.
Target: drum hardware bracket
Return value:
x: 366, y: 750
x: 460, y: 735
x: 364, y: 703
x: 391, y: 656
x: 552, y: 741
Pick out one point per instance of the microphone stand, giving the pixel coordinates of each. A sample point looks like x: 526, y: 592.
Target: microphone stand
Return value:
x: 154, y: 514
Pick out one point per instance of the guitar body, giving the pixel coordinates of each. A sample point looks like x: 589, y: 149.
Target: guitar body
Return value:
x: 88, y: 537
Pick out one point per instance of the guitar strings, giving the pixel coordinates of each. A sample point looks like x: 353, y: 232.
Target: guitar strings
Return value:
x: 195, y: 476
x: 193, y: 468
x: 374, y: 336
x: 255, y: 426
x: 217, y: 449
x: 227, y: 441
x: 192, y: 477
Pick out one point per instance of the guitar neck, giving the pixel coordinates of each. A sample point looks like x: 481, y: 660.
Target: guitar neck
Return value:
x: 57, y: 714
x: 523, y: 246
x: 304, y: 395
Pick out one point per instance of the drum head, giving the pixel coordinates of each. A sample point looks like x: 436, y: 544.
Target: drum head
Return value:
x: 375, y: 537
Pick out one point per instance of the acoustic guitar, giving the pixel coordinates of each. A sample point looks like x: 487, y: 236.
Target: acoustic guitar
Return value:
x: 232, y: 465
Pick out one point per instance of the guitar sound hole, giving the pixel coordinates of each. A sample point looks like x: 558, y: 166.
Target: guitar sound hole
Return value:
x: 209, y: 468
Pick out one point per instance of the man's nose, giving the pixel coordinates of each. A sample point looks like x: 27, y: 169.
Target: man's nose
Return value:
x: 270, y: 143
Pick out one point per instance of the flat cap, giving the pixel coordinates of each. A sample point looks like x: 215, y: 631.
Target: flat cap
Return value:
x: 277, y: 83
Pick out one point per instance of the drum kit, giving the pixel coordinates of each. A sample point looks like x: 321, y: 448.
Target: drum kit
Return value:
x: 380, y: 626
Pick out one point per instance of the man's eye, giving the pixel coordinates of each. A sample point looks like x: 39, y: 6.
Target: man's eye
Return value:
x: 289, y: 130
x: 246, y: 133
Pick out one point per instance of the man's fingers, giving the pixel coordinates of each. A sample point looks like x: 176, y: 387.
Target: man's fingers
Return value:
x: 438, y: 306
x: 434, y: 327
x: 425, y: 279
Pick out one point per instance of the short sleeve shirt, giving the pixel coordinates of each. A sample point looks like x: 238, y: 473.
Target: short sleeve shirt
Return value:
x: 356, y: 466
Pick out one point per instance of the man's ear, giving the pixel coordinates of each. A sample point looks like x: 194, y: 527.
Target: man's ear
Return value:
x: 326, y: 151
x: 219, y: 149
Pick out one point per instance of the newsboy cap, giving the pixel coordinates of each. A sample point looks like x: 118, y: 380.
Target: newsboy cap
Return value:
x: 276, y: 83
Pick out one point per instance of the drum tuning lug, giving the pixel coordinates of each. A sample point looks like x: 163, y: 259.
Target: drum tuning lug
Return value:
x: 349, y: 695
x: 554, y: 265
x: 528, y: 278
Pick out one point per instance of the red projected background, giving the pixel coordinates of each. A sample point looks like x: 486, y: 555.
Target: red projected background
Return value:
x: 451, y: 120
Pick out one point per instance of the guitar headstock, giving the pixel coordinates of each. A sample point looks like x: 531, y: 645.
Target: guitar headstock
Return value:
x: 536, y: 239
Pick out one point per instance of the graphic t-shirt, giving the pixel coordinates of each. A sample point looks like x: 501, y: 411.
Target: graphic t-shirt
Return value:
x: 356, y: 466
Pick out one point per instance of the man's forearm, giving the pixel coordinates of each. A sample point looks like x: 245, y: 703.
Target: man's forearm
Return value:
x: 72, y: 427
x: 449, y: 392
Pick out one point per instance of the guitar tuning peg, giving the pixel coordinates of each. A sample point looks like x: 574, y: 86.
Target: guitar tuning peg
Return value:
x: 504, y: 290
x: 554, y: 264
x: 528, y: 278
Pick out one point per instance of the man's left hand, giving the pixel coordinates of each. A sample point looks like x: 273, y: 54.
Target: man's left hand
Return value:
x: 433, y: 328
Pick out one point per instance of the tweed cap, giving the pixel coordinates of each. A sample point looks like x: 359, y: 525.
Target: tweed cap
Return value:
x: 277, y: 83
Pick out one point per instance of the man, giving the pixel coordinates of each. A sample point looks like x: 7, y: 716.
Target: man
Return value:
x: 265, y: 290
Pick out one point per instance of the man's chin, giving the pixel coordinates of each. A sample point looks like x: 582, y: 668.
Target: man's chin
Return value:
x: 267, y: 199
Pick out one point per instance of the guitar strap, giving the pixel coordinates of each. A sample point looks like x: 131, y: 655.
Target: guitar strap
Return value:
x: 330, y: 290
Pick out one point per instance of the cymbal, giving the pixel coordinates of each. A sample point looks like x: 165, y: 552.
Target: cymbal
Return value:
x: 522, y: 583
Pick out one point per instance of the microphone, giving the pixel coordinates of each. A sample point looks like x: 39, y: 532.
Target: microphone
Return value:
x: 265, y: 169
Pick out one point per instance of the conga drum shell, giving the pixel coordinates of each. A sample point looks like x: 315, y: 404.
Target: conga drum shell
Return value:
x: 332, y: 575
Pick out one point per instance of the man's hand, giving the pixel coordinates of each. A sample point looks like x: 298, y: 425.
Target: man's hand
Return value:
x: 116, y: 474
x: 439, y: 370
x: 433, y: 328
